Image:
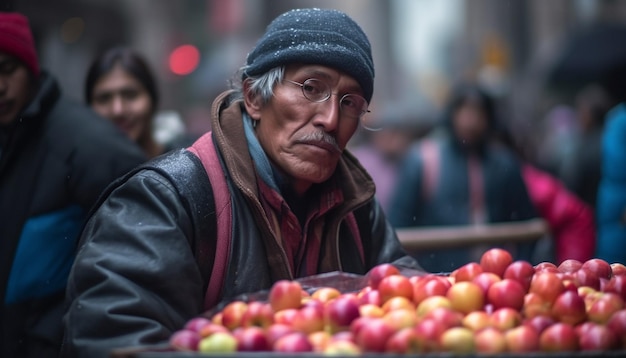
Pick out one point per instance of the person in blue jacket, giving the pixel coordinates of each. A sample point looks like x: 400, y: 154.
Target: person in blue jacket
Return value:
x: 611, y: 204
x: 56, y: 156
x: 459, y: 176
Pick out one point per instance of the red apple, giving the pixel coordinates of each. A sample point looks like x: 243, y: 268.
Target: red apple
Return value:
x: 211, y: 328
x: 434, y: 286
x: 569, y: 265
x: 232, y: 314
x: 292, y: 343
x: 559, y: 337
x: 285, y: 294
x: 185, y: 340
x: 520, y: 271
x: 396, y: 303
x: 401, y: 318
x: 505, y: 318
x: 495, y: 260
x: 325, y: 294
x: 466, y: 296
x: 522, y: 338
x: 617, y: 324
x: 370, y: 297
x: 373, y: 336
x: 285, y: 316
x: 251, y: 339
x: 485, y: 280
x: 466, y: 272
x: 377, y: 273
x: 446, y: 316
x: 370, y: 310
x: 547, y: 285
x: 428, y: 333
x: 490, y: 340
x: 395, y: 286
x: 569, y: 308
x: 617, y: 284
x: 618, y: 269
x: 535, y: 305
x: 586, y: 277
x: 309, y: 319
x: 277, y: 330
x: 546, y: 266
x: 404, y: 341
x: 258, y: 314
x: 340, y: 312
x: 604, y: 307
x: 506, y: 293
x: 598, y: 266
x: 539, y: 323
x: 597, y: 337
x: 359, y: 323
x: 195, y: 324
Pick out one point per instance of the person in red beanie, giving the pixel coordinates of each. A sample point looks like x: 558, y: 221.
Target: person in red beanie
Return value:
x: 56, y: 157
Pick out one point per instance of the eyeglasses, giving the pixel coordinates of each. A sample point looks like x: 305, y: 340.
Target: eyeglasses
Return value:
x: 352, y: 105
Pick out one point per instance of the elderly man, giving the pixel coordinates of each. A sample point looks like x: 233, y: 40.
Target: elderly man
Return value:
x: 56, y: 157
x: 269, y: 194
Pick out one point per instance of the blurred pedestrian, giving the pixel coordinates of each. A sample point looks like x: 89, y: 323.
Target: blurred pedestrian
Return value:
x: 382, y: 150
x: 269, y: 194
x: 571, y: 222
x: 56, y: 157
x: 611, y: 207
x: 121, y: 87
x: 580, y: 168
x: 461, y: 177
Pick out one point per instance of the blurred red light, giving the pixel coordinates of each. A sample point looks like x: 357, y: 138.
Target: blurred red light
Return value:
x: 184, y: 59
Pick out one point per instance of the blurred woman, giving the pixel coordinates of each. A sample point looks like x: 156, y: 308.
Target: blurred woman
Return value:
x: 458, y: 176
x: 121, y: 87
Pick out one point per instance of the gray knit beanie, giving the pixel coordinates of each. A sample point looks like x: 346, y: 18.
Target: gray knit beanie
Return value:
x: 315, y: 36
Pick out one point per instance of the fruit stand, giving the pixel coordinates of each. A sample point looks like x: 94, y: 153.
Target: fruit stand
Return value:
x: 496, y: 306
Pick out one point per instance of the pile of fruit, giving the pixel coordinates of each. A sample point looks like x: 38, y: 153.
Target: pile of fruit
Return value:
x: 495, y: 305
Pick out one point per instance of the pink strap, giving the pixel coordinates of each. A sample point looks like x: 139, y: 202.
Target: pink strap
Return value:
x: 205, y: 150
x: 430, y: 166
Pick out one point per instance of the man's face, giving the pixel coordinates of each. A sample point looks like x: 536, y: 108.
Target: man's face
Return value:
x: 15, y: 88
x: 305, y: 139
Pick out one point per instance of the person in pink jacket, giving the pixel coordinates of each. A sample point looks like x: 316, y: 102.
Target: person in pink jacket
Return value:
x: 570, y: 220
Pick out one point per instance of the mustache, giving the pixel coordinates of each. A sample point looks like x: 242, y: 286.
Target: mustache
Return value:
x: 320, y: 136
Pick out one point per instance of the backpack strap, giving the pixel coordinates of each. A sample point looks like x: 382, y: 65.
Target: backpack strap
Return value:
x: 204, y: 149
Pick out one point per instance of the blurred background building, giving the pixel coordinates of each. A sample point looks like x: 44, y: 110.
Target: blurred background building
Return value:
x: 421, y: 47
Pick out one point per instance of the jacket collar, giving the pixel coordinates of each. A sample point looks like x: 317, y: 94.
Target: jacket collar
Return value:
x: 229, y: 134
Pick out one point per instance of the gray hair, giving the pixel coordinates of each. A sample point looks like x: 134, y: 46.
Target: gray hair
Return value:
x: 262, y: 85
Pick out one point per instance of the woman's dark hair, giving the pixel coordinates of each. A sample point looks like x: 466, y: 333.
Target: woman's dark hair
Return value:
x: 465, y: 93
x: 131, y: 62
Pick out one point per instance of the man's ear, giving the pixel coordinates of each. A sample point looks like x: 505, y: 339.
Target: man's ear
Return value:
x: 252, y: 102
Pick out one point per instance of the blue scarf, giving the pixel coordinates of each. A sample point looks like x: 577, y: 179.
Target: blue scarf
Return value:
x: 263, y: 166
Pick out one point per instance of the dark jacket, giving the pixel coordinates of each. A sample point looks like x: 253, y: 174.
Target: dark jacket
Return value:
x: 137, y: 278
x: 55, y: 160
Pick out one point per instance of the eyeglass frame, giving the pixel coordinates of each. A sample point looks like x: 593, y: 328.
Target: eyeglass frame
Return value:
x: 329, y: 94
